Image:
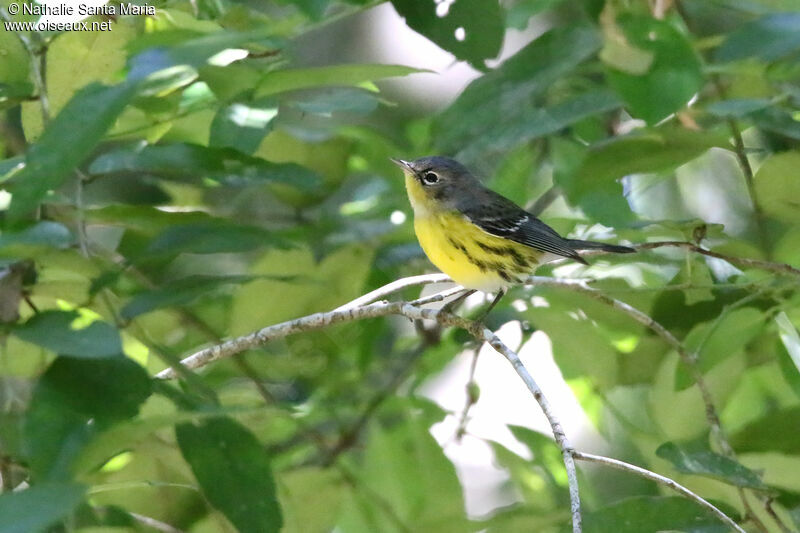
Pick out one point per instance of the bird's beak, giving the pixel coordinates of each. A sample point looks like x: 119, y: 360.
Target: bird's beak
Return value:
x: 405, y: 165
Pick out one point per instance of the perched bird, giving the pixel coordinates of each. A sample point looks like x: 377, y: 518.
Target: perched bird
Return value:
x: 479, y: 238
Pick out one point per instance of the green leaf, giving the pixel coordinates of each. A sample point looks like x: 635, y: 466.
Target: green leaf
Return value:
x: 409, y: 469
x: 38, y: 507
x: 500, y: 95
x: 179, y: 293
x: 74, y: 400
x: 737, y: 108
x: 160, y: 51
x: 777, y: 120
x: 715, y: 341
x: 76, y: 59
x: 242, y: 126
x: 777, y: 186
x: 772, y: 432
x: 674, y: 74
x: 650, y: 513
x: 285, y: 80
x: 538, y: 122
x: 603, y: 201
x: 67, y: 333
x: 45, y: 234
x: 233, y: 471
x: 128, y: 434
x: 709, y: 464
x: 211, y: 238
x: 69, y: 138
x: 471, y: 30
x: 336, y: 100
x: 192, y: 163
x: 519, y: 14
x: 790, y: 355
x: 657, y: 150
x: 769, y: 38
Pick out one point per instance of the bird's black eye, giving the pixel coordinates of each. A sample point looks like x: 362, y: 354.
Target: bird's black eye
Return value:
x: 430, y: 178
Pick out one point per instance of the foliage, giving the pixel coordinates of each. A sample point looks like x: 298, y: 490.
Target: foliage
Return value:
x: 195, y: 175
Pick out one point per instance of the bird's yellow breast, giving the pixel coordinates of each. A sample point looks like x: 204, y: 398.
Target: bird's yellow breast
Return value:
x: 472, y: 257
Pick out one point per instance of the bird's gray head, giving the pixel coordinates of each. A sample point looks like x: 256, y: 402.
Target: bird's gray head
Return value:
x: 435, y: 178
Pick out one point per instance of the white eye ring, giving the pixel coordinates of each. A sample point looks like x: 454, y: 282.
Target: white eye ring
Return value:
x: 430, y: 177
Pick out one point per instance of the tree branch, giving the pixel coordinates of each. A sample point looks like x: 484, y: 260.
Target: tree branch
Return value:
x: 412, y: 311
x: 658, y: 478
x: 777, y: 268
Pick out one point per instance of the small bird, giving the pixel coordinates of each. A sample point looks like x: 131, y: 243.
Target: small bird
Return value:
x: 482, y: 240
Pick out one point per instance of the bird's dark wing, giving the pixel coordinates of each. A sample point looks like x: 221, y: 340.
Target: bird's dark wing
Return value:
x: 496, y: 215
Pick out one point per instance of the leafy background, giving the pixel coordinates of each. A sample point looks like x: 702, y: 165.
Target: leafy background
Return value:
x: 222, y: 166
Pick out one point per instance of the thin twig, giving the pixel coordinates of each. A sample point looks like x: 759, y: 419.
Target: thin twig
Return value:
x: 153, y: 523
x: 414, y: 312
x: 658, y: 478
x: 777, y: 268
x: 472, y: 397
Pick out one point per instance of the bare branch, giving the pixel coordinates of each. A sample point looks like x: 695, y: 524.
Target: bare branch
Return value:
x: 658, y: 478
x: 394, y: 287
x: 410, y: 310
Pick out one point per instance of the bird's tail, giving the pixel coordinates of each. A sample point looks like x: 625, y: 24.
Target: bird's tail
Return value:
x: 592, y: 245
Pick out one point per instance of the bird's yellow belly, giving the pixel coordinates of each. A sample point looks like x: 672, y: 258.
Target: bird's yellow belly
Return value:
x: 472, y: 257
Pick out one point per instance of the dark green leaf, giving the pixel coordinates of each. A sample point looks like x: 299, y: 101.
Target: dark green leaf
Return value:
x: 68, y: 139
x: 494, y: 98
x: 179, y: 293
x: 778, y: 188
x: 537, y: 122
x: 674, y: 74
x: 657, y: 150
x: 772, y: 432
x: 709, y: 464
x: 777, y: 120
x: 715, y: 341
x: 242, y: 126
x: 234, y: 472
x: 737, y: 108
x: 640, y: 514
x: 37, y: 507
x: 769, y: 38
x: 520, y: 13
x: 284, y: 80
x: 66, y: 333
x: 74, y: 400
x: 471, y: 30
x: 211, y: 238
x: 45, y: 233
x: 190, y: 162
x: 336, y: 100
x: 159, y: 51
